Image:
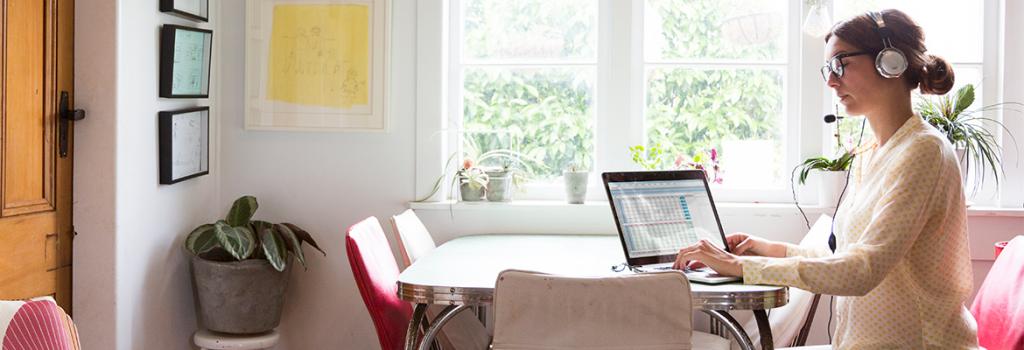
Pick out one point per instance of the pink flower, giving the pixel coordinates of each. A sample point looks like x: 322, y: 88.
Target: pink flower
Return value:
x: 467, y: 163
x: 714, y: 155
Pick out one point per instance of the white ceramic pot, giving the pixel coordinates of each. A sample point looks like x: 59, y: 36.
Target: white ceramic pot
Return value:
x: 832, y: 183
x: 576, y: 186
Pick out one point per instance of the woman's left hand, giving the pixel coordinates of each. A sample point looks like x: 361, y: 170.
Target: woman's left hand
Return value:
x: 717, y: 259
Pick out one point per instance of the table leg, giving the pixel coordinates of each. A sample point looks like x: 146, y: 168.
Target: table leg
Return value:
x: 418, y: 315
x: 764, y: 328
x: 734, y: 328
x: 443, y: 317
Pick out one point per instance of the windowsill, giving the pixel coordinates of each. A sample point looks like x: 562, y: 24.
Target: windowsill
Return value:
x: 749, y: 208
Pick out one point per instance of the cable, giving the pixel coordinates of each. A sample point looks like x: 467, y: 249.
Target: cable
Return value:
x: 828, y: 328
x: 832, y: 233
x: 792, y: 187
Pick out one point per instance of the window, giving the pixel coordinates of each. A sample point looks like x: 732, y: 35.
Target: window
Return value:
x: 579, y: 81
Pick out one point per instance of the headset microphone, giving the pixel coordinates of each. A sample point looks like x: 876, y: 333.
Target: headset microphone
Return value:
x: 831, y: 118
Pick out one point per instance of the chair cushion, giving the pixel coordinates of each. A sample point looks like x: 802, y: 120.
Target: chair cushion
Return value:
x: 36, y: 324
x: 998, y: 307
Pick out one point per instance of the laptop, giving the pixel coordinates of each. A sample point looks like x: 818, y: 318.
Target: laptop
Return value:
x: 658, y: 213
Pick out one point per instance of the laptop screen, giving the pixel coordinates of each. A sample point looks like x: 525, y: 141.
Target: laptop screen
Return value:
x: 658, y: 216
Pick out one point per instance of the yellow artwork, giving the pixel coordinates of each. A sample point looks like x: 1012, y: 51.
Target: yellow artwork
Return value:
x: 320, y: 55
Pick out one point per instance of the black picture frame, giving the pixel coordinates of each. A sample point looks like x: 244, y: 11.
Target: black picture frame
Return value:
x: 196, y: 10
x: 185, y: 57
x: 184, y: 144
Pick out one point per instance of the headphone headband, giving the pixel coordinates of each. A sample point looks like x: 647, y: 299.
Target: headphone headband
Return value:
x: 890, y: 62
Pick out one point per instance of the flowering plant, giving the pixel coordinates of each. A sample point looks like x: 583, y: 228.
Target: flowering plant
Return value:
x: 653, y: 158
x: 469, y: 174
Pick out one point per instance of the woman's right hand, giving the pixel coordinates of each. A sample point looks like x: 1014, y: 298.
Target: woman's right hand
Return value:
x: 744, y: 244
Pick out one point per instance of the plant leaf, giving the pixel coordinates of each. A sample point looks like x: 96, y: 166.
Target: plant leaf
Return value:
x: 242, y: 211
x: 202, y: 239
x: 250, y: 238
x: 304, y: 236
x: 234, y: 241
x: 294, y: 245
x: 273, y: 247
x: 964, y: 99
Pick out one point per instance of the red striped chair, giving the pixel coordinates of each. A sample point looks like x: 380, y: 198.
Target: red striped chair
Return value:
x: 36, y: 324
x: 376, y: 274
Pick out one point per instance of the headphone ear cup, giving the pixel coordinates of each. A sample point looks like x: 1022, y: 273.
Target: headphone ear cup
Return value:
x: 891, y: 63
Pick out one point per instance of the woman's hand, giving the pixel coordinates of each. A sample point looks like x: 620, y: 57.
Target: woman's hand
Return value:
x: 743, y: 244
x: 717, y: 259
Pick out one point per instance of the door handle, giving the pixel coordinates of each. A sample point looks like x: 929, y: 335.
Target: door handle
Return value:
x: 66, y: 116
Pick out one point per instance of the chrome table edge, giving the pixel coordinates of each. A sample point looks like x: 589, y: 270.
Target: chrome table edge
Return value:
x: 711, y: 300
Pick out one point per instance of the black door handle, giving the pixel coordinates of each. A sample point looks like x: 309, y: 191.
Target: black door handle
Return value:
x: 66, y: 116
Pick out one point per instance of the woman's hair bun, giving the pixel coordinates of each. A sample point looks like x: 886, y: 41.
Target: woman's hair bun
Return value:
x: 936, y: 76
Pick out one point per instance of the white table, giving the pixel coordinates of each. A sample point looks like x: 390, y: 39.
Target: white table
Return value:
x: 462, y: 272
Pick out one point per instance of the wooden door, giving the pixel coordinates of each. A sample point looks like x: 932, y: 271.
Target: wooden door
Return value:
x: 36, y: 65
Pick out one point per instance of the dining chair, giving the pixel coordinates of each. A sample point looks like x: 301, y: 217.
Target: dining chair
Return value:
x: 463, y: 331
x: 643, y: 311
x: 414, y: 241
x: 376, y: 274
x: 791, y: 323
x: 998, y: 306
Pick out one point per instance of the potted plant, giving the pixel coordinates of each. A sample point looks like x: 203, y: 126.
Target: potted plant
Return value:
x: 975, y: 145
x: 240, y: 269
x: 833, y: 176
x: 653, y: 158
x: 576, y: 176
x: 475, y: 182
x: 472, y: 181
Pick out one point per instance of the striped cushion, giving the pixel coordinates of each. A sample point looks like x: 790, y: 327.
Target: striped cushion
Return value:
x: 36, y: 324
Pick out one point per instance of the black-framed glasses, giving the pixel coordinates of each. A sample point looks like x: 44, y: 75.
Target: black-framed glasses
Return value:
x: 836, y: 65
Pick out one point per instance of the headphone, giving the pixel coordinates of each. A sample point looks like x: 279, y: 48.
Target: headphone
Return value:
x: 890, y: 62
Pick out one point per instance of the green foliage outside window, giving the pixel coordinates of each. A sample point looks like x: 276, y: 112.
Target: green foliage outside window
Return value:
x: 547, y: 112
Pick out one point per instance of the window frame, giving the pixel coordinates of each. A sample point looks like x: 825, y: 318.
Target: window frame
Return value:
x: 439, y: 102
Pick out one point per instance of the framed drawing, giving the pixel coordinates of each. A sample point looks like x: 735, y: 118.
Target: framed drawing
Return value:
x: 185, y: 62
x: 316, y: 65
x: 184, y: 144
x: 197, y: 10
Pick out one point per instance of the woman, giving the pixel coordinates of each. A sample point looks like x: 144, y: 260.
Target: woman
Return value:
x: 901, y: 266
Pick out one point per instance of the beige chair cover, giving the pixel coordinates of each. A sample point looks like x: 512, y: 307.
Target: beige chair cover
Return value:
x: 643, y: 311
x: 462, y: 332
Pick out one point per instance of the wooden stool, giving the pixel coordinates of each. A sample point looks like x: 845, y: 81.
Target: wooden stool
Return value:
x: 207, y: 340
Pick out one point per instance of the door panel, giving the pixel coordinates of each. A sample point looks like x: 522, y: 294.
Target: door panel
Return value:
x: 35, y: 183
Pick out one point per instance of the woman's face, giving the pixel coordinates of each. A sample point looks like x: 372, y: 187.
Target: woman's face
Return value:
x: 861, y: 87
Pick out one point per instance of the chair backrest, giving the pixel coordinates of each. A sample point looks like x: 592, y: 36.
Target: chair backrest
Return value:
x: 376, y: 274
x: 414, y: 240
x: 791, y: 323
x: 36, y: 324
x: 643, y: 311
x: 998, y: 307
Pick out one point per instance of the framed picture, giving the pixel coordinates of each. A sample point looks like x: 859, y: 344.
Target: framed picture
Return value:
x: 319, y: 66
x: 197, y: 10
x: 185, y: 62
x: 184, y: 144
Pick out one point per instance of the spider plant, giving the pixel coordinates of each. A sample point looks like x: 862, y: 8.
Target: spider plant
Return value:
x: 964, y: 128
x: 841, y: 163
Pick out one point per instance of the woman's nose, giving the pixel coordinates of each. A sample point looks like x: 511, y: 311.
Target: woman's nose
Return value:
x: 833, y: 81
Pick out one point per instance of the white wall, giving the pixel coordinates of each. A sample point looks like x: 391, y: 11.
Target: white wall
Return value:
x: 94, y: 302
x: 323, y: 182
x: 131, y: 287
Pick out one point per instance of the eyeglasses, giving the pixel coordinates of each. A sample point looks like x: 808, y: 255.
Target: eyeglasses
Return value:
x: 836, y: 66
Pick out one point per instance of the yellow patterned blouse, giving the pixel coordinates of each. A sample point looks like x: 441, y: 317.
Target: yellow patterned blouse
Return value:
x: 901, y: 269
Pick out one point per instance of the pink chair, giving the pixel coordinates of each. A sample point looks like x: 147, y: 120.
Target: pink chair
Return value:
x: 36, y: 324
x: 376, y: 274
x: 999, y: 306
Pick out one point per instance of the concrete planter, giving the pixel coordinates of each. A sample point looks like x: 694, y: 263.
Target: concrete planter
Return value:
x: 499, y: 186
x: 239, y: 297
x: 470, y: 194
